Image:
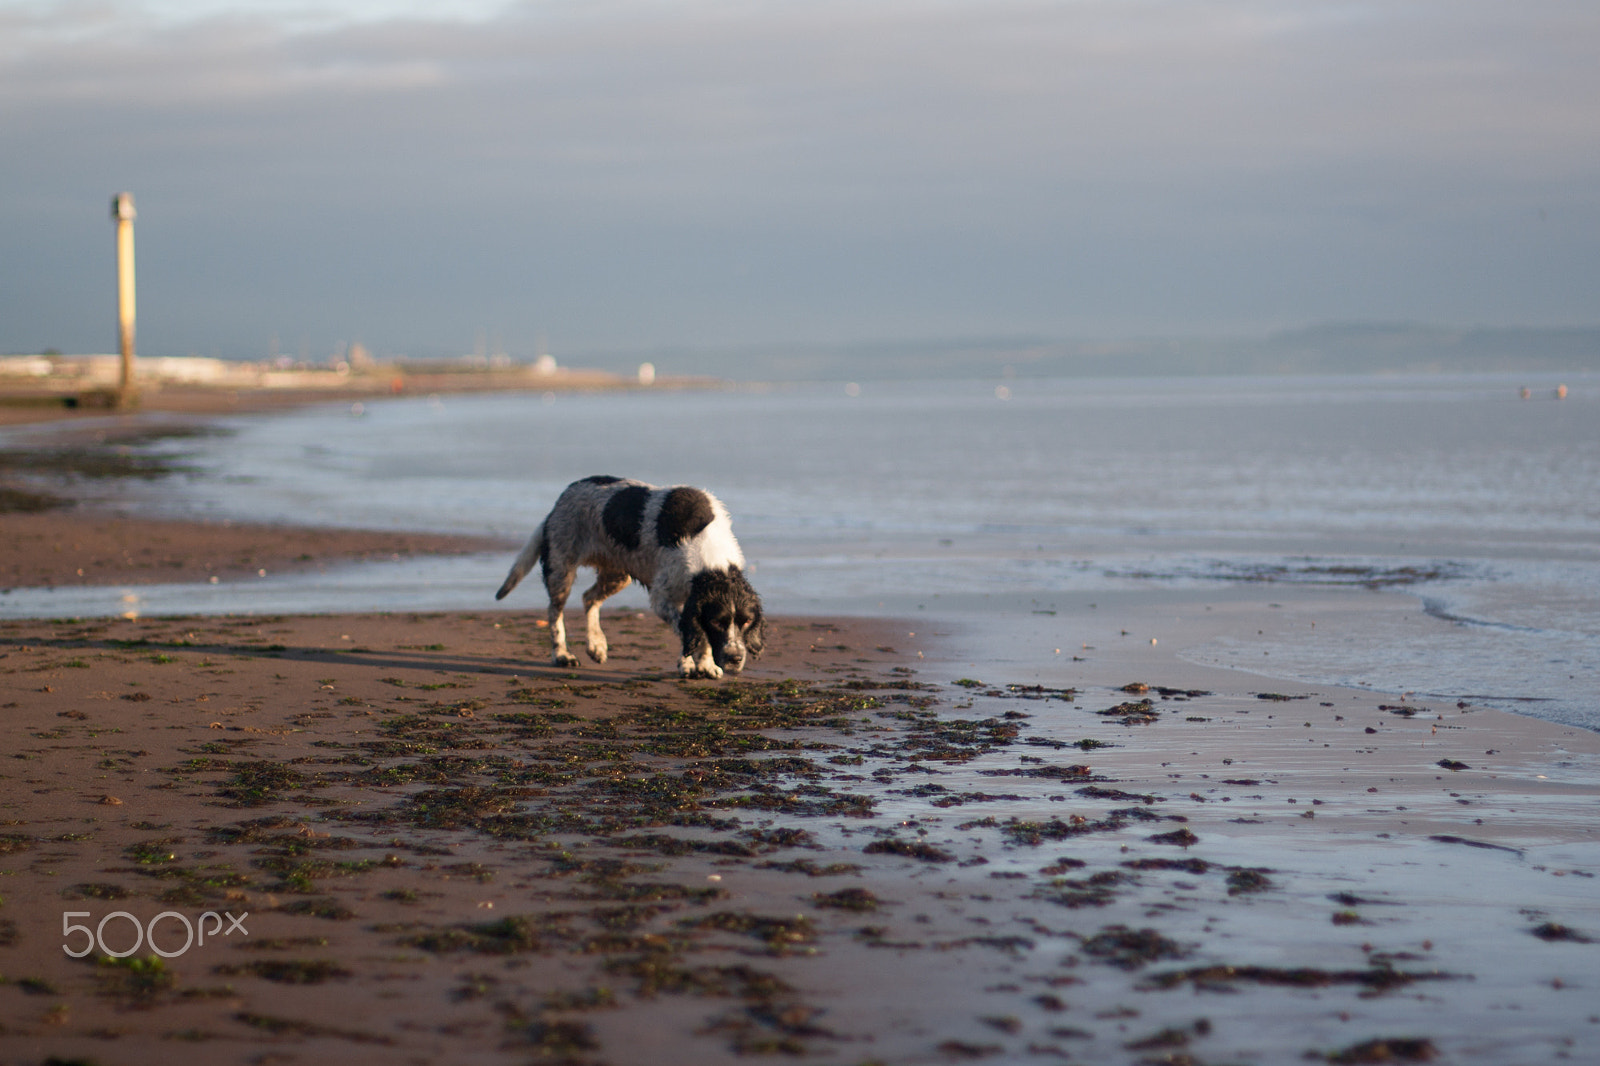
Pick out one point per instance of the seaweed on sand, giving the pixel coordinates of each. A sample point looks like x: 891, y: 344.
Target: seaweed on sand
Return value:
x: 1035, y: 833
x: 780, y: 935
x: 1131, y: 949
x: 911, y: 849
x: 1141, y: 712
x: 288, y: 971
x: 1374, y: 980
x: 1095, y: 890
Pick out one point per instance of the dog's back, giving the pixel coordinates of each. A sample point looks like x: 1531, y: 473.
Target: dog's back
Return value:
x: 614, y: 523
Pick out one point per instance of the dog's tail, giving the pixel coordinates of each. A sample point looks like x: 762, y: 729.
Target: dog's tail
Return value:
x: 531, y: 553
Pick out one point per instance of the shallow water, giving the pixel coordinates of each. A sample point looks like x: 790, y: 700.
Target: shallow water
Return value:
x: 955, y: 500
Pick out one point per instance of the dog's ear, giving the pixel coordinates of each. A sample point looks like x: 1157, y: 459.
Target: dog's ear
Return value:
x: 756, y: 639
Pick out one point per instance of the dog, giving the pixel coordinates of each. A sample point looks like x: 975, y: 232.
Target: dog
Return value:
x: 677, y: 542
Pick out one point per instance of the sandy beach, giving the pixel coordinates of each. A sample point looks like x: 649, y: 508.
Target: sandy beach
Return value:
x: 869, y: 848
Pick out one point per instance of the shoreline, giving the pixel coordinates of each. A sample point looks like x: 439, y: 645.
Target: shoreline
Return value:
x: 59, y: 535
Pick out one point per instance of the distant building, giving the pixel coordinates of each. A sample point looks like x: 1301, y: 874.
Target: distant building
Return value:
x: 26, y: 366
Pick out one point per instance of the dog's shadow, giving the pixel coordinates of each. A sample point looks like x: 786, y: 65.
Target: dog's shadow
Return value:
x: 441, y: 662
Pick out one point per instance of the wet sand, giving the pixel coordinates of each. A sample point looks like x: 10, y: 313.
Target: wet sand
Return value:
x: 61, y: 548
x: 870, y: 848
x: 56, y: 529
x: 854, y: 853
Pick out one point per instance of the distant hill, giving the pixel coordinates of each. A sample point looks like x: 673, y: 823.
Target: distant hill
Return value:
x: 1334, y: 349
x: 1355, y: 348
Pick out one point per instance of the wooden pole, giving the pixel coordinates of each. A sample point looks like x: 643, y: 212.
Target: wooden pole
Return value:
x: 122, y: 211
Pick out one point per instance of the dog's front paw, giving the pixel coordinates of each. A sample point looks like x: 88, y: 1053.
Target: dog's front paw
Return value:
x: 566, y: 659
x: 688, y: 667
x: 597, y: 652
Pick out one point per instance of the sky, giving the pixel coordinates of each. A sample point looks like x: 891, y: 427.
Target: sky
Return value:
x: 594, y: 176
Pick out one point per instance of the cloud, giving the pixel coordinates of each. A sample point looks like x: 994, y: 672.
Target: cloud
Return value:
x: 846, y: 168
x: 945, y: 89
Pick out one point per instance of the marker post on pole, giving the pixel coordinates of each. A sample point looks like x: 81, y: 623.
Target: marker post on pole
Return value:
x: 122, y: 212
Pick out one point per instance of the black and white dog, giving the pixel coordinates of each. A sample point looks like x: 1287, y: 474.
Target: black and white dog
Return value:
x: 677, y: 542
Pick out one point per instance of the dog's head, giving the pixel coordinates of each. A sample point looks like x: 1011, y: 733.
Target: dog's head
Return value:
x: 729, y: 611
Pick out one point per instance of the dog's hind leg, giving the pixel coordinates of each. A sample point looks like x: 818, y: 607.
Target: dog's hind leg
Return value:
x: 558, y: 583
x: 607, y: 583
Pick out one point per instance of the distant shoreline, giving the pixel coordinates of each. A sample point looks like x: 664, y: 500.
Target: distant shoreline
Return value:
x: 25, y: 402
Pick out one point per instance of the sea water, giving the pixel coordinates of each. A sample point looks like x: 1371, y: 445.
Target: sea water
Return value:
x: 1015, y: 502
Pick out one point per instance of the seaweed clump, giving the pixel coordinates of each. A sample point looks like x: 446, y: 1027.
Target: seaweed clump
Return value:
x: 911, y: 849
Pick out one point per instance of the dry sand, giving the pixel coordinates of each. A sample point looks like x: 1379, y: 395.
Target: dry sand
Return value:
x: 867, y: 849
x: 24, y: 404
